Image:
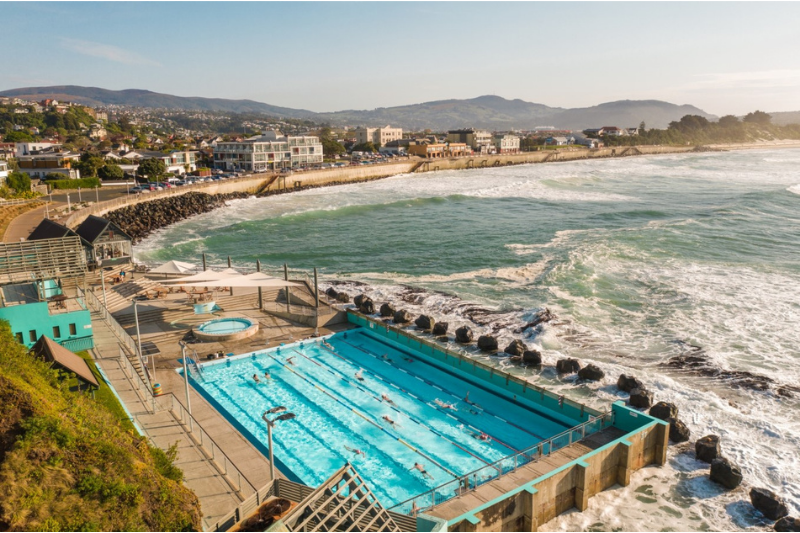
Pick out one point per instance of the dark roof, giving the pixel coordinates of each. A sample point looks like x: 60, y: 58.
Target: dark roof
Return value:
x: 91, y: 228
x: 51, y: 351
x: 47, y: 229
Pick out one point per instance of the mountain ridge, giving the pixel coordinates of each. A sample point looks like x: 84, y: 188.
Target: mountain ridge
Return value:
x: 486, y: 111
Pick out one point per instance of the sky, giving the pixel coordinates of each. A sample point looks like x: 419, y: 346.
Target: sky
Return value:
x: 723, y: 57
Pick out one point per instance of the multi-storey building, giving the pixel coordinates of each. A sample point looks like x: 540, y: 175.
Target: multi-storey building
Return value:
x: 378, y: 136
x: 506, y: 144
x: 479, y: 140
x: 270, y: 151
x: 39, y: 166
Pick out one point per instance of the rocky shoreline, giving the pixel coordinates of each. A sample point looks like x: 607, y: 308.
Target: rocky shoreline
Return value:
x: 140, y: 220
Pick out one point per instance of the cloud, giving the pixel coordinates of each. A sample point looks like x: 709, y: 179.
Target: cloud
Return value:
x: 106, y: 51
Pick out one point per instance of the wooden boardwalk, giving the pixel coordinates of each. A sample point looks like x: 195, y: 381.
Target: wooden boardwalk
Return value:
x: 485, y: 493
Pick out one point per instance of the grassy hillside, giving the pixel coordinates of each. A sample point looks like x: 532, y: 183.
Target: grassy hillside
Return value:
x: 69, y: 462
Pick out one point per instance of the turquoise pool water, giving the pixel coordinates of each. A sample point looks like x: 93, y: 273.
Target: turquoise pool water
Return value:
x: 222, y: 326
x: 336, y: 411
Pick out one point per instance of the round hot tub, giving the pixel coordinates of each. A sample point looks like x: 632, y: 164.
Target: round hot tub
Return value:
x: 226, y: 329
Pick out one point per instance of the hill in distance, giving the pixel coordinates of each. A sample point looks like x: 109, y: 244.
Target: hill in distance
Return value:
x: 491, y: 112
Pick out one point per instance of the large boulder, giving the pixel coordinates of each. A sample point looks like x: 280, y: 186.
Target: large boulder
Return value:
x: 641, y: 398
x: 343, y: 297
x: 787, y: 523
x: 678, y: 432
x: 402, y: 317
x: 360, y: 298
x: 664, y: 410
x: 770, y: 504
x: 387, y: 310
x: 726, y: 473
x: 591, y: 373
x: 367, y: 306
x: 541, y: 316
x: 531, y: 357
x: 487, y: 343
x: 464, y: 335
x: 517, y: 347
x: 440, y: 328
x: 425, y: 322
x: 567, y: 366
x: 707, y: 449
x: 627, y: 383
x: 332, y: 293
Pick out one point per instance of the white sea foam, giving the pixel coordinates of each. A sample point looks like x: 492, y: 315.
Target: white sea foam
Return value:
x: 795, y: 189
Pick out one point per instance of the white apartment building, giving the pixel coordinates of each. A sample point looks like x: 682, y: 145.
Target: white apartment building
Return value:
x: 378, y: 136
x: 506, y: 144
x: 270, y: 151
x: 30, y: 148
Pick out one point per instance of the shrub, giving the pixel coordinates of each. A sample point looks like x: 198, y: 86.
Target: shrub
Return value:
x: 83, y: 183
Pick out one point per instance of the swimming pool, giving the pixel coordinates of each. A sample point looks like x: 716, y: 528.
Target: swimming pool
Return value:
x: 338, y: 413
x: 230, y: 328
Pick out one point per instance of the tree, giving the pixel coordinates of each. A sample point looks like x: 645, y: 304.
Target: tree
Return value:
x: 89, y: 165
x: 330, y: 146
x: 18, y: 137
x: 642, y: 127
x: 728, y: 121
x: 365, y: 147
x: 689, y: 123
x: 153, y: 168
x: 758, y: 117
x: 19, y: 181
x: 111, y: 171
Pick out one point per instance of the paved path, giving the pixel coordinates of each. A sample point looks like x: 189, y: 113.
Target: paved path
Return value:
x: 218, y: 495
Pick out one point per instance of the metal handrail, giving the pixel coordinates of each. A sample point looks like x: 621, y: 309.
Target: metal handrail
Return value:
x: 146, y: 393
x: 205, y: 439
x: 471, y: 481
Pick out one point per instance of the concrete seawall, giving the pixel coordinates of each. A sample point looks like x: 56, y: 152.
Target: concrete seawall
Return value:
x: 273, y: 183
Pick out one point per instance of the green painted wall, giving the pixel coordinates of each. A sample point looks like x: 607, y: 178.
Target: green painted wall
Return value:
x: 36, y: 317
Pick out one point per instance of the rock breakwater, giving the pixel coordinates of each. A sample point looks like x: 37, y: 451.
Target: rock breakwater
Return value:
x: 142, y: 219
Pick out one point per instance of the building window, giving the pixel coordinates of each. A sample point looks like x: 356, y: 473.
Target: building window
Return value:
x: 73, y: 330
x: 56, y: 332
x: 19, y: 337
x: 32, y: 335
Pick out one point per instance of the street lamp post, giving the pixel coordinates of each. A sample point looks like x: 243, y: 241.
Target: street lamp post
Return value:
x: 139, y: 336
x: 186, y: 378
x: 97, y: 193
x: 270, y: 423
x: 69, y: 204
x: 80, y: 200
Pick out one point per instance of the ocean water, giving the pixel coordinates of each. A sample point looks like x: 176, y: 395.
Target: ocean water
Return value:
x: 639, y: 258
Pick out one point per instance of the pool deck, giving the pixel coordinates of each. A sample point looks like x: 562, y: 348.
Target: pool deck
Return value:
x: 490, y: 491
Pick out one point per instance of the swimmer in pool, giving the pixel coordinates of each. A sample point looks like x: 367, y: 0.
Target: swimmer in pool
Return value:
x: 482, y: 436
x: 355, y: 451
x: 385, y: 398
x: 267, y: 374
x: 389, y: 420
x: 410, y: 359
x: 290, y: 360
x: 468, y: 401
x: 445, y: 405
x: 421, y: 470
x: 255, y: 378
x: 359, y: 375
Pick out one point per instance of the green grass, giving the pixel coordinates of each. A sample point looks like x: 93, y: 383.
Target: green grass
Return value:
x: 105, y: 396
x: 70, y: 462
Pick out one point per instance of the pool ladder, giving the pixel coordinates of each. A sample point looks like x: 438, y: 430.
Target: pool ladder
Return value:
x: 195, y: 369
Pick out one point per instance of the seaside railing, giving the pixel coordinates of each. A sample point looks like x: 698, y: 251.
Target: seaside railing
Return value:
x: 472, y: 480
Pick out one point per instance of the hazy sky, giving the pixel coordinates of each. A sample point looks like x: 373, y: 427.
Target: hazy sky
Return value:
x: 722, y: 57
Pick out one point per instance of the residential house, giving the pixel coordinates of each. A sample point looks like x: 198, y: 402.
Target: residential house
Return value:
x: 632, y: 131
x: 393, y: 147
x: 428, y: 150
x: 556, y: 141
x: 269, y: 151
x: 588, y: 142
x: 3, y: 172
x: 612, y: 131
x: 32, y: 148
x: 97, y: 132
x: 40, y: 165
x: 378, y: 136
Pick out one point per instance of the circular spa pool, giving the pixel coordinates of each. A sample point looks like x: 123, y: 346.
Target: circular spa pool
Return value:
x: 226, y: 329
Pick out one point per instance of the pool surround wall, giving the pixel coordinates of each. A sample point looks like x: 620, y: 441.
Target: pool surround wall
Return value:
x: 539, y: 500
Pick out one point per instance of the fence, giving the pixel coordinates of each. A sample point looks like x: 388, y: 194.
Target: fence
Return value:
x: 215, y: 453
x: 476, y: 478
x: 6, y: 203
